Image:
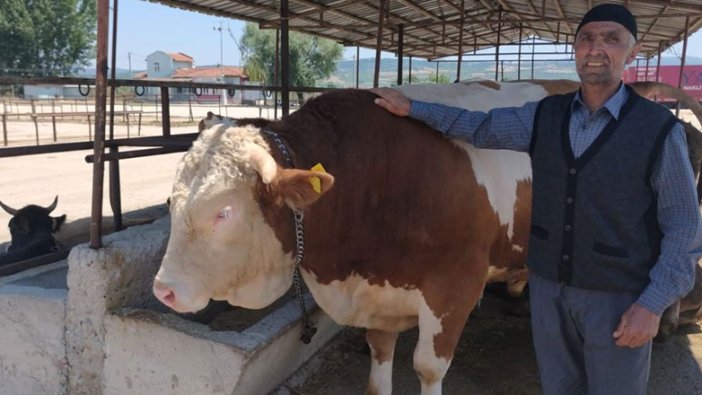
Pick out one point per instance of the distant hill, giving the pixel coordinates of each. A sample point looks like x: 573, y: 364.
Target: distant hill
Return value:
x: 424, y: 71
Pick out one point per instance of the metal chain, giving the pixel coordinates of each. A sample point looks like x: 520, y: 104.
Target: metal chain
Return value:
x: 308, y: 329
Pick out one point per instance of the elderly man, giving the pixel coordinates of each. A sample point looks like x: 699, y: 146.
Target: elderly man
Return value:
x: 615, y: 225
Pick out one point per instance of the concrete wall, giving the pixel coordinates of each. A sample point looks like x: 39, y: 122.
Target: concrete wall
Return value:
x: 32, y: 347
x: 120, y: 274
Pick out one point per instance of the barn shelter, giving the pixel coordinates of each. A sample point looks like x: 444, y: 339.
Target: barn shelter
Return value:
x: 423, y: 28
x: 434, y: 29
x: 100, y: 305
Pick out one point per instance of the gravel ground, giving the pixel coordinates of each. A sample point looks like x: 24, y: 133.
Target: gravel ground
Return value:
x: 494, y: 357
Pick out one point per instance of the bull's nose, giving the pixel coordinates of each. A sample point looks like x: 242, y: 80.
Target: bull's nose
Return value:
x: 164, y: 294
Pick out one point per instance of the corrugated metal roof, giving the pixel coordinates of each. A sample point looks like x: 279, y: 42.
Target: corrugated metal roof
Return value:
x: 432, y: 27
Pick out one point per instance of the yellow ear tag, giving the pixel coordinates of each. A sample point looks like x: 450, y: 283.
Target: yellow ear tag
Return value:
x: 315, y: 181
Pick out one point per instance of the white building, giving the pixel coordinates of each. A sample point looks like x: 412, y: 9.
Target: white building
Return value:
x: 178, y: 66
x: 163, y: 64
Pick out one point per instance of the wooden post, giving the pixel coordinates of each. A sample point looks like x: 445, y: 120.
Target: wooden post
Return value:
x: 190, y: 108
x: 4, y: 123
x: 166, y: 111
x: 34, y: 118
x: 53, y: 118
x: 4, y: 128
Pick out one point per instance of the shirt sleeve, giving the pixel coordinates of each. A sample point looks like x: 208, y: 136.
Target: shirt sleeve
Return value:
x: 672, y: 180
x: 500, y: 128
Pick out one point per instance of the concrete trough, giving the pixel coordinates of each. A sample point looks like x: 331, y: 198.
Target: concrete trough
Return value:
x: 152, y: 353
x: 90, y: 325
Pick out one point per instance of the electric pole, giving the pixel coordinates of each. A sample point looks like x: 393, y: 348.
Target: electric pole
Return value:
x: 221, y: 51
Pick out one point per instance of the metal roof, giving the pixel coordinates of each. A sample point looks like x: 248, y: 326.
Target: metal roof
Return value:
x: 432, y: 27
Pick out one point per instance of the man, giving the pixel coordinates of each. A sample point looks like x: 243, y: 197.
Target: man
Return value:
x: 615, y: 225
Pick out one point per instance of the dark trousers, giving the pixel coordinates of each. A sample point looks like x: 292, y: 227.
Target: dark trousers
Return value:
x: 576, y: 353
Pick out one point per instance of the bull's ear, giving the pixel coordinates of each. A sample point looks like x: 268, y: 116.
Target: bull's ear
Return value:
x: 57, y: 222
x: 297, y: 187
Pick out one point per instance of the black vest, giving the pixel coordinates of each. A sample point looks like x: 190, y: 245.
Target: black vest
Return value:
x: 594, y: 220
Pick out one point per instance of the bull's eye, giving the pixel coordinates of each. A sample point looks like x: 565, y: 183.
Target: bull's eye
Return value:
x: 225, y: 213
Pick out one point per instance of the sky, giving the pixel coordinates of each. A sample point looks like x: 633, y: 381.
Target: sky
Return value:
x: 145, y: 27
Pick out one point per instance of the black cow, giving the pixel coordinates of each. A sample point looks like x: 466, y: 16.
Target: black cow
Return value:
x: 32, y: 230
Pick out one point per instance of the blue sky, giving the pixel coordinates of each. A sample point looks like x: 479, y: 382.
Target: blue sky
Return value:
x: 145, y: 27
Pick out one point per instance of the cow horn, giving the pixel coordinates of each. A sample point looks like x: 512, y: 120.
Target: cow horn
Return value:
x: 53, y: 205
x: 9, y: 209
x: 263, y: 163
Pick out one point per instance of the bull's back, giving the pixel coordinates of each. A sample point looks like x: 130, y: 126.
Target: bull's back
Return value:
x: 405, y: 202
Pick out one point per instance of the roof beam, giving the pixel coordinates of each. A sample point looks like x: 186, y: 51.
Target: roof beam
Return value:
x: 560, y: 12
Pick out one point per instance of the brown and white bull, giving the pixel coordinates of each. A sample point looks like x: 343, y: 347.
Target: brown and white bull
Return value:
x: 413, y: 227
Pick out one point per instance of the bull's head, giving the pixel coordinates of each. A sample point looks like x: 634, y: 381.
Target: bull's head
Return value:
x: 31, y: 222
x: 222, y: 246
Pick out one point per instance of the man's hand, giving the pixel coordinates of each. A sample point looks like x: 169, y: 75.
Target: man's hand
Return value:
x: 392, y: 100
x: 637, y: 326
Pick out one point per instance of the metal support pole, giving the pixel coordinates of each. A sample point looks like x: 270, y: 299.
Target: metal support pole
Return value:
x: 379, y: 42
x: 658, y: 60
x: 648, y: 58
x: 519, y: 55
x: 682, y: 62
x: 285, y: 57
x: 533, y: 48
x: 400, y: 52
x: 103, y: 14
x: 165, y: 111
x: 113, y: 166
x: 410, y: 69
x: 497, y: 47
x: 358, y: 63
x: 460, y: 40
x: 276, y: 73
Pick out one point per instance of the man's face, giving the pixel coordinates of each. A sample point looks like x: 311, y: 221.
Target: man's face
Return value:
x: 602, y: 51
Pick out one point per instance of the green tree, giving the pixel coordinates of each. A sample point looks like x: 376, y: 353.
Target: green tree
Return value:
x: 311, y: 58
x: 46, y: 37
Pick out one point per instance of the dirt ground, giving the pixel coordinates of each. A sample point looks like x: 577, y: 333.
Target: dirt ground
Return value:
x: 494, y: 357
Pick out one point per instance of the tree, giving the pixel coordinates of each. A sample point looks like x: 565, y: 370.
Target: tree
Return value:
x: 46, y: 37
x: 311, y: 58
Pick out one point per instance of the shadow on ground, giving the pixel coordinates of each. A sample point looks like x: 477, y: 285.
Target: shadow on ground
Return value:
x: 494, y: 357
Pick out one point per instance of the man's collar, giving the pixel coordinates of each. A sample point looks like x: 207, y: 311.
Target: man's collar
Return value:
x: 613, y: 104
